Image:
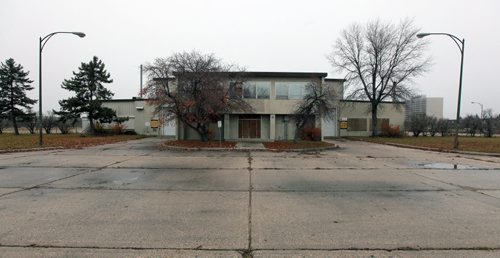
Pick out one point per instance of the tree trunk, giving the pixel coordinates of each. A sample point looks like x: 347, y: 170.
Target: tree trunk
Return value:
x: 203, y: 131
x: 374, y: 120
x: 92, y: 127
x: 14, y: 123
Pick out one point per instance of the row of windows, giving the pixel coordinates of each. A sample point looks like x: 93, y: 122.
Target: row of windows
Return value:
x: 262, y: 90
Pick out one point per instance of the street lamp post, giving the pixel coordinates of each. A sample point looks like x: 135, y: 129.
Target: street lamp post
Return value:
x: 42, y: 42
x: 473, y: 102
x: 461, y: 45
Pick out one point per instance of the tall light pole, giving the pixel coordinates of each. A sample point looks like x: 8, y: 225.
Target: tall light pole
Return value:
x: 461, y: 45
x: 42, y: 42
x: 473, y: 102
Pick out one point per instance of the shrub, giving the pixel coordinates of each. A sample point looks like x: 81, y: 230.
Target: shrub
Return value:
x: 99, y: 128
x: 64, y: 127
x: 311, y: 134
x: 118, y: 128
x: 390, y: 131
x: 130, y: 132
x: 49, y: 121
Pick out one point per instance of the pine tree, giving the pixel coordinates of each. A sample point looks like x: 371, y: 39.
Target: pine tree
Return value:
x: 14, y: 83
x: 88, y: 86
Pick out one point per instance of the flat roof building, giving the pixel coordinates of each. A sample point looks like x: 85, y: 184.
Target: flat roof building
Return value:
x: 273, y: 97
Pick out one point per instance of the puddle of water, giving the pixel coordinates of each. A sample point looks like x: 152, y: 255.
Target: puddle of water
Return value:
x: 445, y: 166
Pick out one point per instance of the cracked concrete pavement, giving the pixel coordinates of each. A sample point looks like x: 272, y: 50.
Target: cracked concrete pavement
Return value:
x: 361, y: 200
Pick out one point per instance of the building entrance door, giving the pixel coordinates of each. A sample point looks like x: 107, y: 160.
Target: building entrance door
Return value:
x: 249, y: 126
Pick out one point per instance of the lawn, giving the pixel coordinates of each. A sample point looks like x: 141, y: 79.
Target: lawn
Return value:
x: 29, y: 141
x: 477, y: 144
x: 288, y: 145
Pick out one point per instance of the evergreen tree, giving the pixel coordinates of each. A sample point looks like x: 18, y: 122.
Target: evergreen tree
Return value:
x: 88, y: 86
x: 14, y: 83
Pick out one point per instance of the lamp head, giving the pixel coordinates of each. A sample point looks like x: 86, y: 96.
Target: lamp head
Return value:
x: 421, y: 35
x: 79, y: 34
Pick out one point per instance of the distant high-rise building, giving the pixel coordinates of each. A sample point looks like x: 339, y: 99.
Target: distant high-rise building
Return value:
x: 424, y: 105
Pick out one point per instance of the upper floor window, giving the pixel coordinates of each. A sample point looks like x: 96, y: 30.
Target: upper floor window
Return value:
x: 291, y: 90
x: 256, y: 90
x: 235, y: 89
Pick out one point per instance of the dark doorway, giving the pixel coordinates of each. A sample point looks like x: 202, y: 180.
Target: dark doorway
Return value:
x: 249, y: 126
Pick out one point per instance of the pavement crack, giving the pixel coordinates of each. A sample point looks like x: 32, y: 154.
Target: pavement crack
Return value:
x: 63, y: 178
x: 248, y: 252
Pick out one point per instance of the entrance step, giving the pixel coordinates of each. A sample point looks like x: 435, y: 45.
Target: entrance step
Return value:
x: 249, y: 145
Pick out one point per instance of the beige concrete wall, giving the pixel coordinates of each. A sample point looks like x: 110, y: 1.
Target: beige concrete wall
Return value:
x: 265, y: 127
x: 281, y: 125
x: 137, y: 117
x: 389, y: 111
x: 233, y: 119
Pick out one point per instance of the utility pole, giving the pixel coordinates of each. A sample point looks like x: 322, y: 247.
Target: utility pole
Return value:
x: 140, y: 93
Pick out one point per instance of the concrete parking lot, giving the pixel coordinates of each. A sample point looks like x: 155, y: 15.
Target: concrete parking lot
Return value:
x: 361, y: 200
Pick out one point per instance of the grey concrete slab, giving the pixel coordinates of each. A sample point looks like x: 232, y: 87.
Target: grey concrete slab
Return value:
x: 4, y: 156
x: 495, y: 193
x: 111, y: 218
x: 478, y: 179
x: 87, y: 161
x: 186, y: 162
x: 343, y: 180
x: 396, y: 157
x: 374, y: 254
x: 104, y: 253
x: 139, y: 147
x: 440, y: 162
x: 375, y: 220
x: 160, y: 179
x: 24, y: 177
x: 209, y: 154
x: 311, y: 162
x: 8, y: 190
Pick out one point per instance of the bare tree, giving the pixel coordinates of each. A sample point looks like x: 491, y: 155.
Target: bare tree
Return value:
x: 472, y: 124
x: 317, y: 103
x: 417, y: 124
x: 30, y: 121
x: 380, y: 60
x: 444, y: 126
x: 489, y: 123
x: 194, y: 88
x: 432, y: 125
x: 49, y: 122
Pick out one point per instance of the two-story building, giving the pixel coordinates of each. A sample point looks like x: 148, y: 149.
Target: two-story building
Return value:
x: 273, y: 97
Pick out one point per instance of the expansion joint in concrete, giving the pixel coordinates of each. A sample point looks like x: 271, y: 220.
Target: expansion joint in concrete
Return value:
x: 248, y: 252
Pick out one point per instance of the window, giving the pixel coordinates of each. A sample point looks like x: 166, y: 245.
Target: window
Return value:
x: 249, y: 91
x: 235, y: 90
x: 263, y: 91
x: 291, y: 90
x: 356, y: 124
x: 281, y: 91
x: 295, y: 92
x: 256, y: 90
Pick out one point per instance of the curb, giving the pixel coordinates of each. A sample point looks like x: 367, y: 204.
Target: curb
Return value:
x: 245, y: 150
x: 30, y: 150
x: 430, y: 149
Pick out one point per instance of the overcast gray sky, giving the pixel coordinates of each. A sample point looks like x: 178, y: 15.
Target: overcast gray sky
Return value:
x: 259, y: 35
